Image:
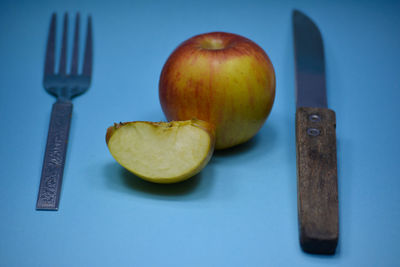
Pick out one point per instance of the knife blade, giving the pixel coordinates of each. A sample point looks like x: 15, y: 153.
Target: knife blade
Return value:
x: 317, y: 189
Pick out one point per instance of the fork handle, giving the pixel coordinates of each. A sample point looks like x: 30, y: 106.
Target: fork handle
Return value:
x: 54, y: 158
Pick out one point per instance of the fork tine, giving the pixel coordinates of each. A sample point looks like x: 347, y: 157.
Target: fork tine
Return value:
x: 74, y: 64
x: 87, y: 63
x: 50, y: 50
x: 63, y: 59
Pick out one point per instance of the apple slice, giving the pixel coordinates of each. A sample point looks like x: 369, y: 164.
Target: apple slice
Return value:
x: 162, y: 152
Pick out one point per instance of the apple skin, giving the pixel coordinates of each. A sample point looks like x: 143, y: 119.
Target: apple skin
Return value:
x: 222, y: 78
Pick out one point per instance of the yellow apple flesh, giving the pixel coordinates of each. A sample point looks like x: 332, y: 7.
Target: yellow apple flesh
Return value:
x: 222, y: 78
x: 162, y: 152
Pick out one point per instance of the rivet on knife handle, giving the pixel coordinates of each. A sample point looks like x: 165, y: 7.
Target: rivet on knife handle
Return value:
x: 317, y: 179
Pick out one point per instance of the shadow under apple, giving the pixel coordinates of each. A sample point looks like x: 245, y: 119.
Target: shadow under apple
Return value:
x: 257, y: 146
x: 120, y: 179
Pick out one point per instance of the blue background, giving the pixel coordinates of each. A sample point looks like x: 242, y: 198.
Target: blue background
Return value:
x: 241, y: 210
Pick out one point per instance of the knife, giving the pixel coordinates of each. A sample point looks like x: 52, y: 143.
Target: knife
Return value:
x: 317, y: 193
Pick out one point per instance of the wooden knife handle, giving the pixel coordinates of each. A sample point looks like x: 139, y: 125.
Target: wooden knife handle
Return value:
x: 317, y: 180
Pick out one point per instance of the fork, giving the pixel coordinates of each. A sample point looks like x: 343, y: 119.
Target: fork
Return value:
x: 64, y: 86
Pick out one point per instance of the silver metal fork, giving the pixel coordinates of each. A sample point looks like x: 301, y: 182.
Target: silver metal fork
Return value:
x: 64, y: 86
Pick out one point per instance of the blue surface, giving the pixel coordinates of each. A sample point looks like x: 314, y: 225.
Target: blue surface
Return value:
x: 241, y: 210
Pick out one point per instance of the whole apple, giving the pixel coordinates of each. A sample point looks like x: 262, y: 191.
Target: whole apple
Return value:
x: 223, y: 78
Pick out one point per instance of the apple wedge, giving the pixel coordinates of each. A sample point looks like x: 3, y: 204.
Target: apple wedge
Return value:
x: 162, y: 152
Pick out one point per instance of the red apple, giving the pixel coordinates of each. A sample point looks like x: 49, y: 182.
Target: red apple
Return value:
x: 223, y: 78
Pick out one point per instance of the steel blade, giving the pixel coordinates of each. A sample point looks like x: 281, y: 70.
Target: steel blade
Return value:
x: 309, y: 63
